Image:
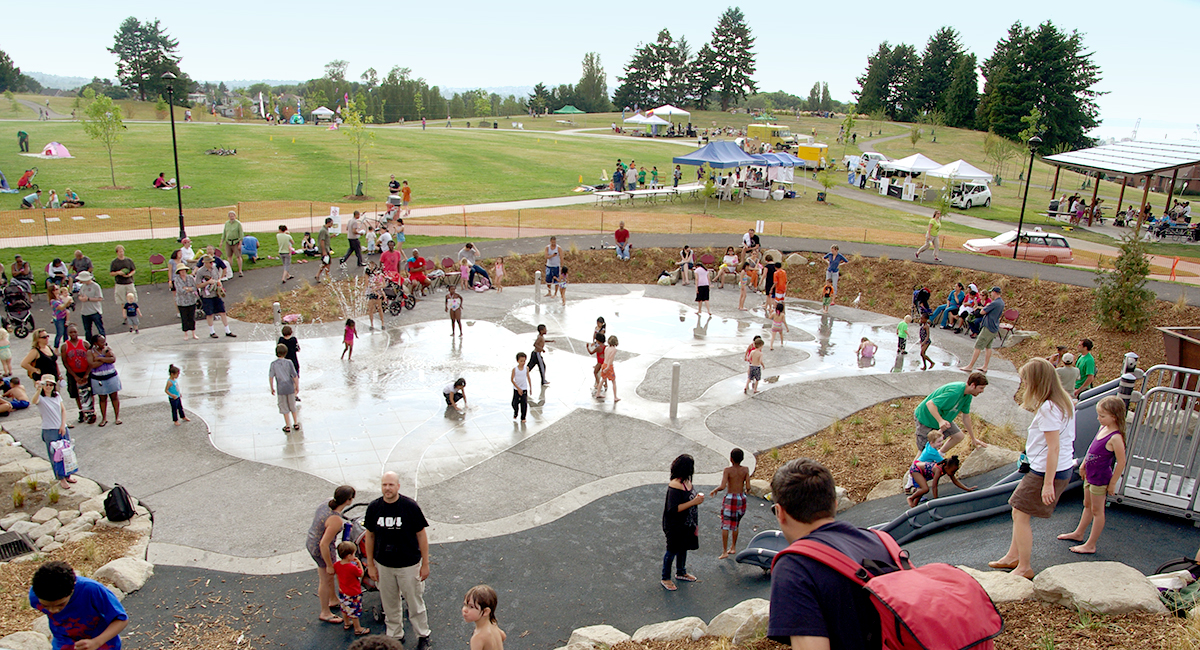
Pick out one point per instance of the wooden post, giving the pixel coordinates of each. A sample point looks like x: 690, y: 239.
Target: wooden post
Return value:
x: 1121, y: 196
x: 1142, y: 207
x: 1095, y: 190
x: 1054, y: 186
x: 1171, y: 191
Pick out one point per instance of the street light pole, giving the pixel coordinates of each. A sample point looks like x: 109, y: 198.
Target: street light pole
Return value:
x: 1033, y: 144
x: 170, y: 77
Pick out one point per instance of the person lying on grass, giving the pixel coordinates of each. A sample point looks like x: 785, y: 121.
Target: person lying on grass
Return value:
x: 927, y: 474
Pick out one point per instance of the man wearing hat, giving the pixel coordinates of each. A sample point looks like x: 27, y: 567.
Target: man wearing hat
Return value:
x: 91, y: 304
x: 208, y: 282
x: 987, y: 334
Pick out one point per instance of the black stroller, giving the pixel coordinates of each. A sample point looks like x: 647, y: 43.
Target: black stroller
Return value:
x: 395, y: 298
x: 17, y: 307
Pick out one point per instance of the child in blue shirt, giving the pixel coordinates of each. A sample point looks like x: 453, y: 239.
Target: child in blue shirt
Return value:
x: 83, y: 613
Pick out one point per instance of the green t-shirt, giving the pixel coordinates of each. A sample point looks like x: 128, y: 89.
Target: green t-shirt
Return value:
x: 935, y: 226
x: 1087, y: 366
x: 950, y: 400
x: 232, y: 232
x: 902, y: 330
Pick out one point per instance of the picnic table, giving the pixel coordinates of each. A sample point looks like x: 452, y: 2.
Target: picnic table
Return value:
x: 609, y: 197
x: 1179, y: 232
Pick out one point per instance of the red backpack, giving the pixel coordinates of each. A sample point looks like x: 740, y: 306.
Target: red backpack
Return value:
x: 932, y: 607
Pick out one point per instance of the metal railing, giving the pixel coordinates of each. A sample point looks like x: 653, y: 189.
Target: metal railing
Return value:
x: 1163, y: 446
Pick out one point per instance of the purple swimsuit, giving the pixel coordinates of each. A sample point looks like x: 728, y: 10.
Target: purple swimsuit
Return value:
x: 1100, y: 461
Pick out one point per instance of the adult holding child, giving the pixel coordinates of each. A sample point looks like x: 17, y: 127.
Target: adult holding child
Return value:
x: 122, y: 269
x: 321, y: 542
x: 1050, y: 448
x: 937, y: 412
x: 680, y: 521
x: 471, y: 255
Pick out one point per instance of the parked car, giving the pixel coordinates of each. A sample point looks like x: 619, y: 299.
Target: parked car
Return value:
x: 1036, y: 246
x: 971, y: 195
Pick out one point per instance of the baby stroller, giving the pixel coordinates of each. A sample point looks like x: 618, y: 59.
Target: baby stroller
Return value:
x: 395, y: 298
x: 26, y: 180
x: 354, y: 531
x: 17, y: 306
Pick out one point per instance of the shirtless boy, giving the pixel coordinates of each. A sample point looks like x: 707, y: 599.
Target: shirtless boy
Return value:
x: 733, y: 507
x: 756, y: 366
x: 537, y: 359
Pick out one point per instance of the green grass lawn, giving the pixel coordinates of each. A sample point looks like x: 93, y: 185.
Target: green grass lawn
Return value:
x: 140, y: 251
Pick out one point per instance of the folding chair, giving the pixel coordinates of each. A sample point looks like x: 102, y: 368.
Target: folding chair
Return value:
x: 160, y: 261
x: 1008, y: 324
x: 453, y: 275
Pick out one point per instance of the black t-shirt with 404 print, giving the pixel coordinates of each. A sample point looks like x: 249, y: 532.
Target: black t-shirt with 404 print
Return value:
x: 395, y: 526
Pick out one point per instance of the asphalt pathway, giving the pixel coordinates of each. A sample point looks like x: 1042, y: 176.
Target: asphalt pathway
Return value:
x: 601, y: 564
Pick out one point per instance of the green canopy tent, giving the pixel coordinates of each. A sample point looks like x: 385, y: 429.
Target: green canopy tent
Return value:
x: 569, y: 110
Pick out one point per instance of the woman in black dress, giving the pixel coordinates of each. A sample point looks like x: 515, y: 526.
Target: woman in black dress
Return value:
x: 680, y: 521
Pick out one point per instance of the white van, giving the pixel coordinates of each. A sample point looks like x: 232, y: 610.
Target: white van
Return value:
x: 969, y: 195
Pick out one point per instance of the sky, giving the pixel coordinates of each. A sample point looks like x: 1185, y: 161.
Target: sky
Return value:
x: 1145, y: 70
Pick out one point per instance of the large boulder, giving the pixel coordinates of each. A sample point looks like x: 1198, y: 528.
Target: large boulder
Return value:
x: 44, y: 515
x: 94, y: 504
x: 25, y: 641
x: 127, y: 573
x: 1002, y: 586
x: 41, y: 625
x: 1099, y: 587
x: 759, y: 488
x: 883, y: 489
x: 67, y: 516
x: 594, y: 635
x: 844, y: 502
x: 48, y: 528
x: 743, y: 621
x: 25, y: 527
x: 9, y: 520
x: 684, y: 629
x: 795, y: 259
x: 986, y: 459
x: 82, y: 487
x: 43, y: 541
x: 12, y: 454
x: 140, y: 524
x: 31, y: 465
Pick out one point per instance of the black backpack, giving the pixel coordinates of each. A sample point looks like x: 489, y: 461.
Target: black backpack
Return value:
x: 118, y: 506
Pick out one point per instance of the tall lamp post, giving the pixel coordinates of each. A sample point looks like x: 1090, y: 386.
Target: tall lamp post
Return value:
x: 1033, y: 145
x: 170, y: 77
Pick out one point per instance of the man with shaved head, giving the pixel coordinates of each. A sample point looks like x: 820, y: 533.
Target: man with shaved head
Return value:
x: 398, y: 558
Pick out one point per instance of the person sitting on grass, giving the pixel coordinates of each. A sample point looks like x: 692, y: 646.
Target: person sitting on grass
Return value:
x: 309, y: 245
x: 927, y: 474
x: 162, y: 183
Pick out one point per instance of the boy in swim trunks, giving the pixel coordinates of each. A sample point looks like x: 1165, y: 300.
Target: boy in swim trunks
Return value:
x: 756, y: 365
x: 733, y: 507
x: 15, y: 394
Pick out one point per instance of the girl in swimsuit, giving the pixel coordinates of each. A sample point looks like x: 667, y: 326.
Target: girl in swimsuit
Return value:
x: 778, y: 325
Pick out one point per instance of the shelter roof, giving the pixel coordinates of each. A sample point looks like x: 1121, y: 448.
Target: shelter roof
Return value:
x: 1134, y: 158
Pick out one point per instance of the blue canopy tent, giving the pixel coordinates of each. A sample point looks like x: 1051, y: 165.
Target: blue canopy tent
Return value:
x: 718, y: 155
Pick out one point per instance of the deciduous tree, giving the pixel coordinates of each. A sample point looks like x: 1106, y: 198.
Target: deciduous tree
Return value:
x: 354, y: 125
x: 102, y: 122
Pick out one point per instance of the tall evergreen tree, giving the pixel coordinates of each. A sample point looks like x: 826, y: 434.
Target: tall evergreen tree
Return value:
x: 903, y: 70
x: 826, y: 100
x: 732, y: 64
x: 592, y: 90
x: 936, y: 71
x: 1047, y: 69
x: 144, y: 53
x: 539, y: 99
x: 962, y: 96
x: 814, y: 97
x: 638, y: 85
x: 872, y: 93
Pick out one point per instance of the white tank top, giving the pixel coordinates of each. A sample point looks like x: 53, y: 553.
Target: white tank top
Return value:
x: 521, y: 378
x: 552, y: 259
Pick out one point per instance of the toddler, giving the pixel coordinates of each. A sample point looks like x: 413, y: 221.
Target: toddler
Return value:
x: 5, y: 352
x: 562, y: 285
x: 607, y: 374
x: 826, y: 297
x: 479, y: 607
x: 133, y: 313
x: 174, y: 396
x: 927, y: 475
x: 372, y: 242
x: 348, y: 337
x: 596, y: 347
x: 923, y: 337
x: 454, y: 308
x: 349, y: 582
x: 866, y: 348
x: 464, y: 272
x: 498, y: 275
x: 743, y: 284
x: 778, y: 324
x: 902, y: 334
x: 1101, y: 469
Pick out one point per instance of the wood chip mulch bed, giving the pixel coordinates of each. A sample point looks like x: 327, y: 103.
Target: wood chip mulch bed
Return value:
x: 872, y: 445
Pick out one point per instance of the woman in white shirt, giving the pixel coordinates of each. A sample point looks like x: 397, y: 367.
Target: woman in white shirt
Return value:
x: 1050, y: 448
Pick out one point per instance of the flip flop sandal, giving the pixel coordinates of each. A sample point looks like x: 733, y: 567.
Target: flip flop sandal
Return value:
x: 362, y: 632
x: 117, y: 422
x: 287, y: 429
x: 686, y: 578
x: 102, y: 423
x: 336, y: 620
x: 669, y: 586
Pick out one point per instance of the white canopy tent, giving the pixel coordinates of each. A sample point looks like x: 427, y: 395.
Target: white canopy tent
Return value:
x: 636, y: 118
x: 914, y: 164
x: 961, y: 170
x: 668, y: 112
